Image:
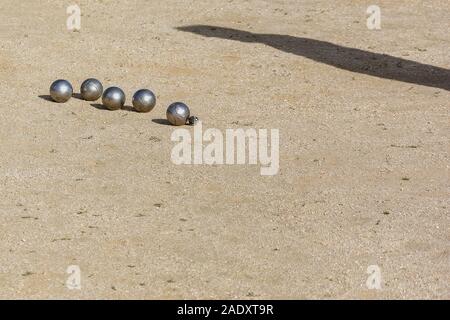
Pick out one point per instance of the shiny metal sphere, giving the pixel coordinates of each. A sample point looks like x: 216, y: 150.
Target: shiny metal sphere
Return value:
x: 113, y: 98
x: 91, y: 89
x: 144, y: 100
x: 61, y: 90
x: 177, y: 113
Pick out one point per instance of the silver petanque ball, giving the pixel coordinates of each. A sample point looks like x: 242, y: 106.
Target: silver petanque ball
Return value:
x: 61, y: 90
x: 177, y: 113
x: 144, y: 100
x: 113, y: 98
x: 91, y: 89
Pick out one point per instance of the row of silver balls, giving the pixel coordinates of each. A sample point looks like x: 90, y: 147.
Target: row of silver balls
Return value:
x: 113, y: 98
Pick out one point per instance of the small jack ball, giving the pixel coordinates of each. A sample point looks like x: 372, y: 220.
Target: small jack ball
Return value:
x: 113, y: 98
x: 61, y: 91
x: 91, y: 89
x: 177, y: 114
x: 144, y: 100
x: 193, y: 120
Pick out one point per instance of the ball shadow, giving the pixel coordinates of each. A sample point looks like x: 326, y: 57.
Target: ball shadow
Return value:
x: 129, y: 109
x: 77, y: 96
x: 164, y: 122
x: 46, y: 97
x: 100, y: 107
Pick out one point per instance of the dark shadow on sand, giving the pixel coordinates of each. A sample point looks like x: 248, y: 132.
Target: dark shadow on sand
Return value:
x: 350, y: 59
x: 46, y: 97
x: 161, y: 121
x: 77, y: 96
x: 128, y: 108
x: 99, y: 106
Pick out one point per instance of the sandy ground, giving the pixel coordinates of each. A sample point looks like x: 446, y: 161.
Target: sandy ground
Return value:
x: 363, y: 157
